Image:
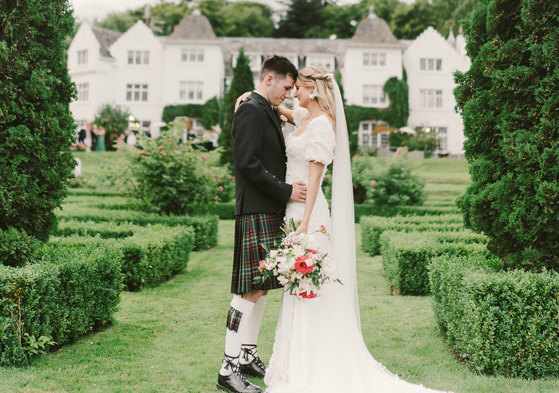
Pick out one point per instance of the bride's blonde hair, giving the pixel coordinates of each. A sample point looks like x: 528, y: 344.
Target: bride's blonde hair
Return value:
x: 320, y: 82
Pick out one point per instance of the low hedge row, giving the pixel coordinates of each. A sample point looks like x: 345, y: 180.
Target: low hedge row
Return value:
x: 499, y: 323
x: 63, y: 296
x: 372, y: 227
x: 225, y: 210
x: 406, y: 256
x: 94, y: 192
x: 90, y: 200
x: 205, y: 227
x: 153, y: 253
x: 104, y: 229
x: 367, y: 209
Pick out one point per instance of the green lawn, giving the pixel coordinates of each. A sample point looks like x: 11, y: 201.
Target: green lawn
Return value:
x: 170, y: 338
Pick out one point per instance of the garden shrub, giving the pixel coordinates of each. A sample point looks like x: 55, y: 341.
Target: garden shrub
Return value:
x: 369, y: 209
x: 152, y: 255
x: 66, y: 294
x: 497, y: 322
x: 104, y: 229
x: 372, y: 227
x: 36, y: 126
x: 397, y: 186
x: 205, y: 227
x: 406, y: 256
x: 510, y: 106
x: 224, y: 210
x: 17, y: 248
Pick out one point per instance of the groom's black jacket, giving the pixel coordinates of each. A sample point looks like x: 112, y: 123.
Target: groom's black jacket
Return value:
x: 260, y: 160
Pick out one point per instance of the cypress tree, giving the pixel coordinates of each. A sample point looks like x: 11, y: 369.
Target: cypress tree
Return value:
x: 242, y: 82
x: 509, y: 100
x: 36, y: 128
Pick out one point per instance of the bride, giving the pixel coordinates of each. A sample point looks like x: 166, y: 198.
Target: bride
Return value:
x: 319, y: 347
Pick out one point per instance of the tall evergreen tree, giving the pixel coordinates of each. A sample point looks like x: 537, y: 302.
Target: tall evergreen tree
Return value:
x: 242, y: 82
x: 509, y: 100
x: 36, y: 127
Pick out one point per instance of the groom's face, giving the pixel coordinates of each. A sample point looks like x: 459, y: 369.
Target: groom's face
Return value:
x: 279, y: 88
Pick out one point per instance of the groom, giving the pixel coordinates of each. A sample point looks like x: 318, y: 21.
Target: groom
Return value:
x: 262, y: 195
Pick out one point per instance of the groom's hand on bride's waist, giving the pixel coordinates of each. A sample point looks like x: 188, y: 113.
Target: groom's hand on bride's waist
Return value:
x: 299, y: 192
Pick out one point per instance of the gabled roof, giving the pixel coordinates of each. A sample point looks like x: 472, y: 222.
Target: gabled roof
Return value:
x: 105, y: 37
x: 374, y: 30
x: 194, y: 27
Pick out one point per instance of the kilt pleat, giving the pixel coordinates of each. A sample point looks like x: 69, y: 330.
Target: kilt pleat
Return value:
x: 251, y: 232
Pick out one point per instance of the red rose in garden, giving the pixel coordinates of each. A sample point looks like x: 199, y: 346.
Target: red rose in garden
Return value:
x: 308, y: 295
x: 301, y: 265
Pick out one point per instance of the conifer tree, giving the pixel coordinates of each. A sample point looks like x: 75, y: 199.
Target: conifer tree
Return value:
x: 36, y: 128
x: 242, y: 82
x: 510, y: 104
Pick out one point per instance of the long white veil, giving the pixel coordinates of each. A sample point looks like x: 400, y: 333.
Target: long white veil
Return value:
x: 343, y: 216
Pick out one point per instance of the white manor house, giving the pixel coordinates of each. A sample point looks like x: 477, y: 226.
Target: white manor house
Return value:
x: 144, y: 72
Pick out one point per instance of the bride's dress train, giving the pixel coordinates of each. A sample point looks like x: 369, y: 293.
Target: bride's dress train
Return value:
x: 318, y: 346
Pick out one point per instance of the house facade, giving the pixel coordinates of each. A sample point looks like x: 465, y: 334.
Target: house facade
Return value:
x: 143, y: 72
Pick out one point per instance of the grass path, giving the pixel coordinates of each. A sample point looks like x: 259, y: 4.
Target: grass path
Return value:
x: 170, y: 338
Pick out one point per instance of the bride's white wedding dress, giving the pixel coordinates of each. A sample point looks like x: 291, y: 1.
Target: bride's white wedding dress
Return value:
x: 318, y: 346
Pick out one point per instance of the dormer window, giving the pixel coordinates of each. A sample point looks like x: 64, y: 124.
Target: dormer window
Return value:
x: 426, y: 64
x: 192, y: 55
x: 138, y: 57
x: 82, y: 56
x: 374, y: 59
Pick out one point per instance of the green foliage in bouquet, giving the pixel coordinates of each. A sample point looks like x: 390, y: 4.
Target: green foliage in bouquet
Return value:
x: 36, y: 127
x: 169, y: 177
x: 510, y: 104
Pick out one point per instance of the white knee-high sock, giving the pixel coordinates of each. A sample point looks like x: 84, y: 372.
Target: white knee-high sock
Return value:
x: 238, y: 318
x: 250, y: 341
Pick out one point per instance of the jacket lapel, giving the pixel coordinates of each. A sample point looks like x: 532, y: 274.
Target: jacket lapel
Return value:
x: 271, y: 114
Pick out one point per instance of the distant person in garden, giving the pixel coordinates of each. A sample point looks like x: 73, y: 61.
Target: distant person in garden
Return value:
x: 262, y: 195
x: 319, y: 347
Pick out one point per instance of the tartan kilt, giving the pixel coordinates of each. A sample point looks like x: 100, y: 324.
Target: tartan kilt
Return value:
x: 251, y: 231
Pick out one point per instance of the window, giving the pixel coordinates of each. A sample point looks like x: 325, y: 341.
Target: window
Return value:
x: 82, y: 56
x: 365, y: 126
x: 138, y: 57
x: 83, y: 91
x: 384, y: 140
x: 191, y: 55
x: 326, y: 62
x: 137, y: 92
x: 366, y: 139
x: 374, y: 59
x: 430, y: 64
x: 373, y: 95
x: 374, y: 139
x: 191, y: 91
x: 442, y: 137
x: 431, y: 98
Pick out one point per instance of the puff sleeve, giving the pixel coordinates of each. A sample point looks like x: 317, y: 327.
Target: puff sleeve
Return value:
x: 320, y: 142
x: 299, y: 115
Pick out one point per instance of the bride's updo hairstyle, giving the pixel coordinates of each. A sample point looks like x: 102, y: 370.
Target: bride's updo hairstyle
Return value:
x: 320, y: 82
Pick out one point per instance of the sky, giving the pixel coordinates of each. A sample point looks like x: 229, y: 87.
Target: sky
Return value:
x: 91, y: 9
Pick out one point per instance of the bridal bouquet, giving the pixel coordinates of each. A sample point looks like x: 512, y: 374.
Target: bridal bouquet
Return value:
x: 298, y: 265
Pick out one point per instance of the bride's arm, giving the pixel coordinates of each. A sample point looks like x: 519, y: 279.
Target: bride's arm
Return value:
x: 313, y: 185
x: 288, y: 113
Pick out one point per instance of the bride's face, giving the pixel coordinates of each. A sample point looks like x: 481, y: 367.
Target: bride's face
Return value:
x: 302, y: 93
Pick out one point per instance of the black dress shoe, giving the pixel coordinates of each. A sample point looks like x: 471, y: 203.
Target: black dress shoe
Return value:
x: 256, y: 368
x: 236, y: 383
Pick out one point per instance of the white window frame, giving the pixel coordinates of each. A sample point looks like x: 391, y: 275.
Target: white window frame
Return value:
x: 83, y: 91
x: 191, y: 91
x: 137, y: 57
x: 374, y: 59
x: 82, y: 57
x: 193, y: 55
x: 137, y: 92
x: 427, y: 64
x: 431, y: 98
x: 384, y: 139
x: 373, y: 95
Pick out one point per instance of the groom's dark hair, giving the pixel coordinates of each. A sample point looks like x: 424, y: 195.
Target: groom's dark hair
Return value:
x: 279, y: 65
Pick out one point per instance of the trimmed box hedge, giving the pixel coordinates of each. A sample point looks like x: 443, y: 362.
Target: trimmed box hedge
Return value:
x: 104, y: 229
x: 497, y: 322
x: 225, y: 210
x: 406, y: 256
x: 367, y: 209
x: 152, y: 255
x: 66, y: 294
x: 373, y: 226
x: 205, y: 227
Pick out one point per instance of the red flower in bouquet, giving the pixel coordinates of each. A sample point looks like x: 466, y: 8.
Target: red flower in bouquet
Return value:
x: 308, y: 295
x: 302, y: 266
x: 311, y: 251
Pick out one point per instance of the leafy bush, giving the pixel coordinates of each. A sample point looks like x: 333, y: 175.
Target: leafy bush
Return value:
x: 509, y: 102
x: 225, y: 211
x: 397, y: 186
x: 497, y: 322
x: 205, y: 227
x: 152, y: 255
x: 63, y: 296
x: 115, y: 121
x: 36, y: 127
x: 169, y: 177
x: 406, y: 256
x: 372, y: 227
x: 17, y: 248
